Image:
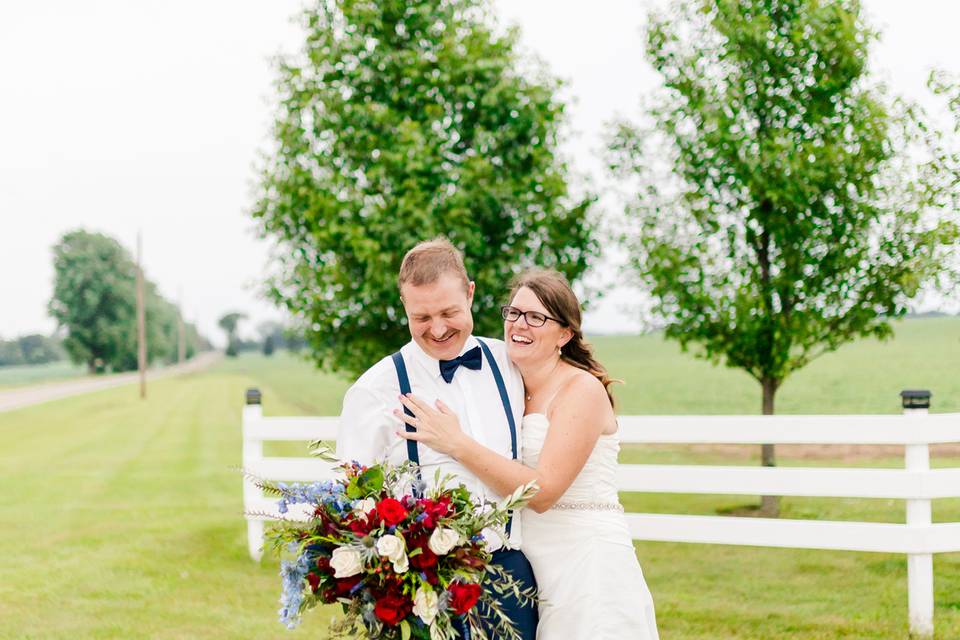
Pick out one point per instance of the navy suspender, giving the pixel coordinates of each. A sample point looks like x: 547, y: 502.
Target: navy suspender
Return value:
x: 413, y: 453
x: 505, y: 398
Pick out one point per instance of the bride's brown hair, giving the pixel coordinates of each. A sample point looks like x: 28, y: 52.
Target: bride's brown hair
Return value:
x: 555, y: 293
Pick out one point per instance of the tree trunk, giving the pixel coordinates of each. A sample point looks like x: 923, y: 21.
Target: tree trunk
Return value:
x: 769, y: 505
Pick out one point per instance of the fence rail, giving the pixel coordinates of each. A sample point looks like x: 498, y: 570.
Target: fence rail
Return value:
x: 916, y: 483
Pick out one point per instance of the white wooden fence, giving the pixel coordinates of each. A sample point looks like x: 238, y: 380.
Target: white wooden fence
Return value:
x: 916, y: 483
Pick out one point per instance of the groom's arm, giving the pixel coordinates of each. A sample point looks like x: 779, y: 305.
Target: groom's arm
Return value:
x: 366, y: 430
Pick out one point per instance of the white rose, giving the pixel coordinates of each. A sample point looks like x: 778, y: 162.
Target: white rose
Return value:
x: 426, y: 604
x: 345, y: 562
x: 364, y: 506
x: 442, y: 540
x: 391, y: 548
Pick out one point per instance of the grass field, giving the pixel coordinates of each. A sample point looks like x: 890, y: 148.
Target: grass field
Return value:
x: 19, y: 376
x: 121, y: 518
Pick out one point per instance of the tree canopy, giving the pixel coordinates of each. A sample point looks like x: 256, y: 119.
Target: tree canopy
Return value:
x: 94, y: 300
x: 786, y: 204
x: 397, y: 122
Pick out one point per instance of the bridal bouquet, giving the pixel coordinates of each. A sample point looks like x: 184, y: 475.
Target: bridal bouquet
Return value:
x: 404, y: 561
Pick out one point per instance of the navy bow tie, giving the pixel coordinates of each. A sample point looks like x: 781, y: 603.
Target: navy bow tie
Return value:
x: 471, y: 360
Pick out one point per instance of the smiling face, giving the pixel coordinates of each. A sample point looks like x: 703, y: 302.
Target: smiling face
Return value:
x: 531, y: 345
x: 439, y: 315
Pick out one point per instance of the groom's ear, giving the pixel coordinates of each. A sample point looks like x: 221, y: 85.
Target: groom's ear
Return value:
x: 471, y: 287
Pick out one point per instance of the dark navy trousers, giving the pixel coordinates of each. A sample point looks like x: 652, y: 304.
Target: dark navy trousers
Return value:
x: 524, y: 618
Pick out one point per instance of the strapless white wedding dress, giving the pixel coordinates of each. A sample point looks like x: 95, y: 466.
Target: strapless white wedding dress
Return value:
x: 582, y: 555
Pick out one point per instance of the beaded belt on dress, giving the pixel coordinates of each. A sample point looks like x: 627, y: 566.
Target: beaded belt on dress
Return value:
x: 588, y: 506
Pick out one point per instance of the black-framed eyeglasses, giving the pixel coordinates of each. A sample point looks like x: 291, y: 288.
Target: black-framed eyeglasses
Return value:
x: 533, y: 318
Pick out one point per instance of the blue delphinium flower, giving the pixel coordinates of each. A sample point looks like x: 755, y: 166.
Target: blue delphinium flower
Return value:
x: 307, y: 493
x: 293, y: 574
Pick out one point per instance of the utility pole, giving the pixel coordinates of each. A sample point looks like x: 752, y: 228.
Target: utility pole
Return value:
x: 141, y: 321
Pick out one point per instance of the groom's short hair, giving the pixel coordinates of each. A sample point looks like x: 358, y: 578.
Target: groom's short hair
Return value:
x: 430, y: 259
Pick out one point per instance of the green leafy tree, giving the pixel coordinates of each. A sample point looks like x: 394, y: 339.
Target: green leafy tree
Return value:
x: 947, y: 86
x: 196, y: 342
x: 94, y: 300
x: 229, y: 323
x: 10, y: 353
x: 271, y: 332
x: 400, y: 121
x: 40, y: 349
x: 293, y: 339
x: 162, y: 326
x: 785, y: 205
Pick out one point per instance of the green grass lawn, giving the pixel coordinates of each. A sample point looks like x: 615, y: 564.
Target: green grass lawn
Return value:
x: 19, y: 376
x: 122, y: 519
x: 864, y: 377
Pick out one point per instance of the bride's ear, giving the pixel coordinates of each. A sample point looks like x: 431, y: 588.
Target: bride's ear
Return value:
x: 565, y: 337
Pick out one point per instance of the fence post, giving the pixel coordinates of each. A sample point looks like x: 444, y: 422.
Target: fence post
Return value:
x: 919, y: 565
x: 252, y: 453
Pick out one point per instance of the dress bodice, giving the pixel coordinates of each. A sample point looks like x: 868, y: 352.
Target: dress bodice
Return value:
x: 596, y: 482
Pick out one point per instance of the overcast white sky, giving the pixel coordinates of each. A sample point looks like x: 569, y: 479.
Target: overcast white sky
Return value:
x: 120, y: 115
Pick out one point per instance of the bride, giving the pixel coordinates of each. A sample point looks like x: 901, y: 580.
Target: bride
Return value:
x: 574, y: 531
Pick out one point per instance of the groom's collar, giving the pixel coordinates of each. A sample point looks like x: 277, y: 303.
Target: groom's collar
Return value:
x: 432, y: 365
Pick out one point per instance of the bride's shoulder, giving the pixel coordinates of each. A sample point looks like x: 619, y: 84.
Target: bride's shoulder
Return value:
x: 582, y: 387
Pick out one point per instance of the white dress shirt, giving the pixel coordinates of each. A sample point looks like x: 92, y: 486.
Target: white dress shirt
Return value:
x: 368, y: 427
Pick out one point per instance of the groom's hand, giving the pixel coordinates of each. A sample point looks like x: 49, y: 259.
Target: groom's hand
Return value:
x: 437, y: 428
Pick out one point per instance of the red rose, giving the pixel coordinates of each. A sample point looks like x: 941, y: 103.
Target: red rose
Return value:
x: 314, y: 581
x: 363, y: 526
x: 393, y: 608
x: 426, y: 558
x: 434, y: 510
x: 391, y: 511
x: 463, y: 597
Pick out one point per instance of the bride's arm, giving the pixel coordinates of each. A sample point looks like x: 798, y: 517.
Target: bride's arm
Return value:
x: 577, y: 418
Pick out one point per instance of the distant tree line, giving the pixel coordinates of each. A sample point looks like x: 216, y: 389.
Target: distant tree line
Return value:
x: 272, y: 336
x: 94, y: 303
x: 30, y: 349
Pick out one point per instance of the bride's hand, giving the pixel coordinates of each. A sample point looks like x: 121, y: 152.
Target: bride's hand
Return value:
x: 437, y: 428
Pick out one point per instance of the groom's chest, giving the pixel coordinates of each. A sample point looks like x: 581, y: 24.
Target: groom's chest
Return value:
x: 474, y: 398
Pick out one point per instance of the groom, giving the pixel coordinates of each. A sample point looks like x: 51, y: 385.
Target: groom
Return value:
x: 443, y: 361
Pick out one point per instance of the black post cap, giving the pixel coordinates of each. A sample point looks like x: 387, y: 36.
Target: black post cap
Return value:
x: 253, y: 395
x: 915, y: 398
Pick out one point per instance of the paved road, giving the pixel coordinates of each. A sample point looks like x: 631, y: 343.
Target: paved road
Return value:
x: 37, y: 394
